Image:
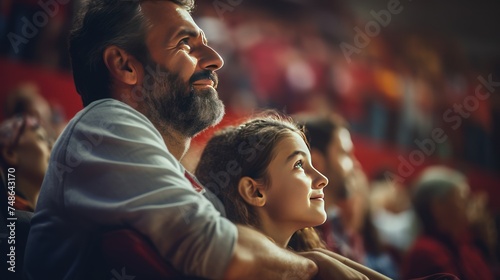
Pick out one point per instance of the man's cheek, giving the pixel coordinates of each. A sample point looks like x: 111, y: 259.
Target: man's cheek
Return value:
x: 185, y: 66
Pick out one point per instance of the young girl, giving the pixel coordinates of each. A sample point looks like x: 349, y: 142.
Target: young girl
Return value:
x: 276, y: 190
x: 263, y: 174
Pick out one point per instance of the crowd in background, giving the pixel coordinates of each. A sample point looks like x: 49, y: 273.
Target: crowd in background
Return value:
x: 397, y: 89
x: 392, y: 87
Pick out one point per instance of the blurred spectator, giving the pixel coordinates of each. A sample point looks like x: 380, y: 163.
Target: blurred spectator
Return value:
x: 393, y: 215
x: 348, y: 229
x: 26, y: 99
x: 484, y: 230
x: 26, y: 147
x: 440, y: 198
x: 283, y: 54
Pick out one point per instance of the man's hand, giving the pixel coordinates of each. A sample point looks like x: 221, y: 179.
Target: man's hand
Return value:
x: 331, y: 269
x: 371, y: 274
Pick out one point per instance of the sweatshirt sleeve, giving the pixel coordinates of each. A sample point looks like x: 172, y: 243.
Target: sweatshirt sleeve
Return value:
x: 119, y: 172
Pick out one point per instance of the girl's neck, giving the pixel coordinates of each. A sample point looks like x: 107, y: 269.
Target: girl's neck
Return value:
x: 277, y: 232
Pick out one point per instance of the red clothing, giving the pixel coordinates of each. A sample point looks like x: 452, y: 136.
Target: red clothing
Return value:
x: 430, y: 255
x: 350, y: 245
x: 22, y: 204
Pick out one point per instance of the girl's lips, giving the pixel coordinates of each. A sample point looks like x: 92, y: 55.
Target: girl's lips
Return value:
x: 318, y: 196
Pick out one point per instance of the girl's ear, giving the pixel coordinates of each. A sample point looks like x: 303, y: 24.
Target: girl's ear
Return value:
x: 252, y: 192
x: 9, y: 156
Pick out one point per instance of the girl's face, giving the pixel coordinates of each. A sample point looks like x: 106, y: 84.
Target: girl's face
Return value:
x: 294, y: 197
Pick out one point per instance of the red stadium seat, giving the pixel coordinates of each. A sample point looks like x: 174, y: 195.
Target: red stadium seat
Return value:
x: 127, y: 249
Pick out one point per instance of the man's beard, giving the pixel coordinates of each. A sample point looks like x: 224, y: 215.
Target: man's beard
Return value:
x: 175, y: 104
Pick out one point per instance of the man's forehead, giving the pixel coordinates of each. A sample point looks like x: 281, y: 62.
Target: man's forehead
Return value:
x: 169, y: 16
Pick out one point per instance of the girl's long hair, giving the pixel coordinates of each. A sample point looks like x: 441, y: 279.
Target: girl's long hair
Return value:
x: 247, y: 150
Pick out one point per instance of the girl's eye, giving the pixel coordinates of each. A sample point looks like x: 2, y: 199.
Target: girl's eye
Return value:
x: 299, y: 164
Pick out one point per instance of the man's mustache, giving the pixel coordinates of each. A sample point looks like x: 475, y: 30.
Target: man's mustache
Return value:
x: 204, y: 75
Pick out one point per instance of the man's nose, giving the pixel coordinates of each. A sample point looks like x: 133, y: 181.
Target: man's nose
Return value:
x: 210, y: 59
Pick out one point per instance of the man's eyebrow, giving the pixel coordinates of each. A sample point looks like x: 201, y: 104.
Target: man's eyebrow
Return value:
x: 191, y: 33
x: 295, y: 153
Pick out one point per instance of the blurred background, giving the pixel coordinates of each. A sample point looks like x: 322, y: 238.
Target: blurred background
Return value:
x: 398, y: 71
x: 417, y: 81
x: 395, y: 70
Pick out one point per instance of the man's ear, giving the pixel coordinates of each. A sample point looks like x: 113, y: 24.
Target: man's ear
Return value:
x: 10, y: 156
x: 318, y: 160
x: 252, y: 192
x: 122, y: 66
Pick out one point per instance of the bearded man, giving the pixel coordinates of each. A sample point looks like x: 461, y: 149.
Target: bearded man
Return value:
x: 147, y: 78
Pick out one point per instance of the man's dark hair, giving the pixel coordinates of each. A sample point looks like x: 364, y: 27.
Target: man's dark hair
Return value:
x: 103, y: 23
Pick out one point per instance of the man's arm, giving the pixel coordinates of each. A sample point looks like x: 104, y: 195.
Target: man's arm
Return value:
x: 370, y: 273
x: 256, y: 257
x: 117, y: 172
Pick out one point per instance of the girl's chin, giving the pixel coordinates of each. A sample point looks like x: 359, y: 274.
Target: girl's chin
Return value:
x: 321, y: 219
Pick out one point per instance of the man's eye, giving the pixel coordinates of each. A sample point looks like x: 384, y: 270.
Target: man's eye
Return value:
x: 184, y: 44
x: 298, y: 164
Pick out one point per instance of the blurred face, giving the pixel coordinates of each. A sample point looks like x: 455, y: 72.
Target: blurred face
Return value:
x: 181, y: 72
x: 294, y: 198
x: 341, y: 163
x: 33, y: 153
x: 341, y: 153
